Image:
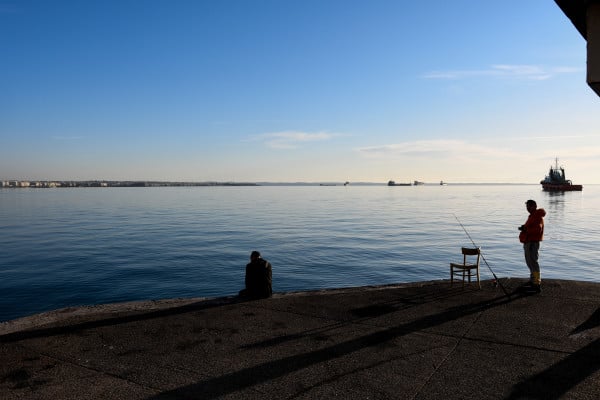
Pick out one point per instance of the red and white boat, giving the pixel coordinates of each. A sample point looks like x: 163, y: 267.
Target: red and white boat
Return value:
x: 556, y: 181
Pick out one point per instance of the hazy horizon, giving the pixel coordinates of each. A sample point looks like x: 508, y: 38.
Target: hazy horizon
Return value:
x: 289, y: 183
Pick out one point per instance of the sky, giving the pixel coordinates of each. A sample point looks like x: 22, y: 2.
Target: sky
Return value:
x: 294, y: 91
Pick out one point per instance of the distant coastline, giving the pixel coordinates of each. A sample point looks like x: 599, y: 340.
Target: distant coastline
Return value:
x: 140, y: 183
x: 95, y: 183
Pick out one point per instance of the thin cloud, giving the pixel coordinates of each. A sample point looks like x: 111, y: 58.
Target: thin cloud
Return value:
x: 293, y: 139
x: 468, y: 156
x: 504, y: 71
x: 547, y: 137
x: 432, y: 148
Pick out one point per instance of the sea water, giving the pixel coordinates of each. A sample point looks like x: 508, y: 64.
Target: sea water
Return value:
x: 81, y: 246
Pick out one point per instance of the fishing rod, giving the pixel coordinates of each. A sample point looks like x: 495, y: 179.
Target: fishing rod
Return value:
x: 482, y: 257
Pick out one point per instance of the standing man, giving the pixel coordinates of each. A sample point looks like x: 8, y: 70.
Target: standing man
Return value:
x: 258, y: 278
x: 532, y: 233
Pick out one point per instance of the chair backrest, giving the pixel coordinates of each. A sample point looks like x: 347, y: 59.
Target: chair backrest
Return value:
x: 471, y: 251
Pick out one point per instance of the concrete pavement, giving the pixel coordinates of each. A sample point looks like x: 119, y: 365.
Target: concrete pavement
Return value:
x: 412, y: 341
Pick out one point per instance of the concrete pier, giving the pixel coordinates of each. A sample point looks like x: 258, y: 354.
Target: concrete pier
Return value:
x: 415, y: 341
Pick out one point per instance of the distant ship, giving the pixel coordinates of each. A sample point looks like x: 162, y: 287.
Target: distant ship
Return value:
x: 418, y: 183
x: 443, y: 183
x: 392, y: 183
x: 556, y: 181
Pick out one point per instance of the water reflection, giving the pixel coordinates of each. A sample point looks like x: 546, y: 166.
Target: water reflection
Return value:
x: 555, y: 205
x: 555, y: 198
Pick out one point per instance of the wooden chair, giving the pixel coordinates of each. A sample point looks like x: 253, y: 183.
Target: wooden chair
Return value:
x: 467, y: 269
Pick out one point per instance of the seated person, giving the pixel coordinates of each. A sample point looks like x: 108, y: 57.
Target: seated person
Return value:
x: 258, y: 278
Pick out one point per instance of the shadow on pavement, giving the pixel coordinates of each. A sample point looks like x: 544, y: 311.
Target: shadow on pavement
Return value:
x: 364, y: 314
x: 131, y: 316
x: 556, y: 381
x: 238, y: 380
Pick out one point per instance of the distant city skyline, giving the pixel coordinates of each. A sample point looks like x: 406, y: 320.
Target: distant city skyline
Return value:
x: 288, y: 91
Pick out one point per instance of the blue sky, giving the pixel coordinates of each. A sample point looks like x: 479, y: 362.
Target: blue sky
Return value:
x: 289, y: 90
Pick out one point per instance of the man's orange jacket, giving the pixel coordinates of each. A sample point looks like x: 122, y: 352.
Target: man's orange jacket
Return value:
x: 533, y: 230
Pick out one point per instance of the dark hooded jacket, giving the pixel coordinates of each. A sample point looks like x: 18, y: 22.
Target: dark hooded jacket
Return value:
x: 259, y: 278
x: 533, y: 229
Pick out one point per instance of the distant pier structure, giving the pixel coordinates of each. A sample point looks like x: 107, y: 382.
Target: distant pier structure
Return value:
x: 585, y: 15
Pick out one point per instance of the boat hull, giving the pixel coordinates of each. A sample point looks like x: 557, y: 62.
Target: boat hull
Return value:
x: 393, y: 183
x: 553, y: 187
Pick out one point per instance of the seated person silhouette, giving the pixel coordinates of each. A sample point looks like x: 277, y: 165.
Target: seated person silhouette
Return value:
x: 258, y: 278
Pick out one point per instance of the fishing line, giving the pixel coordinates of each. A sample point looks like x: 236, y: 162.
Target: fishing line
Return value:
x: 482, y: 257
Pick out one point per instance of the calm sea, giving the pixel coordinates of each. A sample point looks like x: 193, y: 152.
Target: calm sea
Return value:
x: 65, y: 247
